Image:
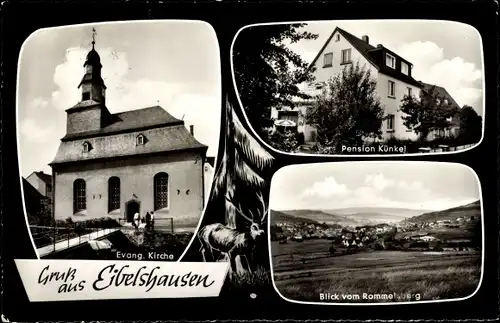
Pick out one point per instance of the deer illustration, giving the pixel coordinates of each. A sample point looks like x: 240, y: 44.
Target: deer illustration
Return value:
x: 232, y: 242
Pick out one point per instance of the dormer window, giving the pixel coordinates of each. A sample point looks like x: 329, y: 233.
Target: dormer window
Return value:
x: 140, y: 140
x: 404, y: 68
x: 438, y: 101
x: 446, y: 101
x: 390, y: 60
x: 85, y: 96
x: 86, y: 147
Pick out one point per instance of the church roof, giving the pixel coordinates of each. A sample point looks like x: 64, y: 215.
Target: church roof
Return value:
x: 162, y: 132
x: 127, y: 121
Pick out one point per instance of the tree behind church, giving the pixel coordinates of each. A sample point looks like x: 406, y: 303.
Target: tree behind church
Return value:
x: 267, y: 72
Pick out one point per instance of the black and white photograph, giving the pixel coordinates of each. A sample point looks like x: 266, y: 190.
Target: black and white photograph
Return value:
x: 358, y: 87
x: 118, y: 131
x: 376, y: 232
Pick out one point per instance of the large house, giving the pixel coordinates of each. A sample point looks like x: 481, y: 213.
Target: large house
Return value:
x: 118, y: 164
x: 392, y: 72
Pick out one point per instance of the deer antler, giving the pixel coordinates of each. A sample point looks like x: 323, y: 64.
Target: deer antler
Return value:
x: 238, y: 209
x: 265, y: 210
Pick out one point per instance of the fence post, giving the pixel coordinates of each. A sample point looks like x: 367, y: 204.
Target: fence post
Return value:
x: 172, y: 224
x: 68, y: 238
x: 54, y: 244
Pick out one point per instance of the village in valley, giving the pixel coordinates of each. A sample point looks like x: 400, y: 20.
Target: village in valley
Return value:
x: 421, y: 234
x: 376, y: 228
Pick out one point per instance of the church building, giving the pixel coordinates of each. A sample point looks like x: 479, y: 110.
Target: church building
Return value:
x: 114, y: 165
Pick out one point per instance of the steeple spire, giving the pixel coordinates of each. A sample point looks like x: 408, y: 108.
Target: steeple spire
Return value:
x: 94, y: 33
x: 92, y: 84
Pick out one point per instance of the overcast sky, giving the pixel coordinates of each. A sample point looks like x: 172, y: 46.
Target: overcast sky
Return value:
x: 175, y: 64
x: 412, y: 185
x: 444, y: 53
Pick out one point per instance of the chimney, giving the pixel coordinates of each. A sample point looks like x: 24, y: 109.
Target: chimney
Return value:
x: 365, y: 39
x: 191, y: 130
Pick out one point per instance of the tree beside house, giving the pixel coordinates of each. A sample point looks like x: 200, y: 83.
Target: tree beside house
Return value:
x: 348, y: 70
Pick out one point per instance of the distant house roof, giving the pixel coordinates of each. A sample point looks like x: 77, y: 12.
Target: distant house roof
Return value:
x: 373, y: 55
x: 162, y: 132
x: 32, y: 197
x: 128, y: 121
x: 441, y: 92
x: 31, y: 192
x: 44, y: 177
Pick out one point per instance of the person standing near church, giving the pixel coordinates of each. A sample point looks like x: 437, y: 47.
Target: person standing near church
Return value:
x: 152, y: 220
x: 148, y: 221
x: 136, y: 220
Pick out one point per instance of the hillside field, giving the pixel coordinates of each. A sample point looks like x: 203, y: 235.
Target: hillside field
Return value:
x: 430, y: 275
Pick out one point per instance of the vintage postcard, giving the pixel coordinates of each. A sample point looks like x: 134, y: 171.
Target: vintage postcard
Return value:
x: 172, y: 163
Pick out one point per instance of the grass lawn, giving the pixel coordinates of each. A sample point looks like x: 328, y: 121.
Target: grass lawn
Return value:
x: 410, y: 275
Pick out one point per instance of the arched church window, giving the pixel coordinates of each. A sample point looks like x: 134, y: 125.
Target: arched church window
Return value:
x: 79, y: 195
x: 85, y: 96
x: 113, y: 193
x: 161, y: 190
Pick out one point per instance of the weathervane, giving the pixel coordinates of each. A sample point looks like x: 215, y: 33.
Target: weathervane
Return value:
x: 93, y: 37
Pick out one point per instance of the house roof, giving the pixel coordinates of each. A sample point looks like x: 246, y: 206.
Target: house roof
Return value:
x: 44, y: 177
x: 30, y: 193
x: 372, y: 54
x: 164, y: 139
x: 441, y: 92
x: 129, y: 121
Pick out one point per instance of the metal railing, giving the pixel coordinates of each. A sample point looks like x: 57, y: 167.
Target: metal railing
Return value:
x: 444, y: 148
x: 159, y: 224
x: 50, y: 239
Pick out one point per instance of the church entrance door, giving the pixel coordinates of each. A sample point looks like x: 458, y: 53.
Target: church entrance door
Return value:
x: 131, y: 208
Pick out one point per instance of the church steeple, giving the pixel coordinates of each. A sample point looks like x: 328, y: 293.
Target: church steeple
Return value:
x: 92, y: 84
